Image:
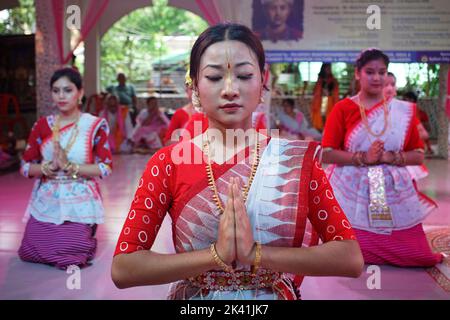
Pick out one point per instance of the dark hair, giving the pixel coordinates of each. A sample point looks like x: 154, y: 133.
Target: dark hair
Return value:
x: 392, y: 75
x: 322, y: 69
x: 368, y: 55
x: 150, y: 99
x: 411, y: 96
x: 70, y: 73
x: 289, y: 101
x: 323, y: 77
x: 222, y: 32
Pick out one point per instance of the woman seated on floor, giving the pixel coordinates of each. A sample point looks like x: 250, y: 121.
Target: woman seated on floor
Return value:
x: 151, y: 125
x: 119, y: 121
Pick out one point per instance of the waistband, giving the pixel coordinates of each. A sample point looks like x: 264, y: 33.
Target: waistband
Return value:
x: 239, y: 280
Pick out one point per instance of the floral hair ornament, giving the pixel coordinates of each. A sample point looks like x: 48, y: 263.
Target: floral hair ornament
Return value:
x: 187, y: 78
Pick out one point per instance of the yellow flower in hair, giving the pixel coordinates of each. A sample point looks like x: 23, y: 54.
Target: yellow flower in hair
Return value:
x: 187, y: 78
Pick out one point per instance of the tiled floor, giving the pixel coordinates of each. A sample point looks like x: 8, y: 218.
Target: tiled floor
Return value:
x: 20, y: 280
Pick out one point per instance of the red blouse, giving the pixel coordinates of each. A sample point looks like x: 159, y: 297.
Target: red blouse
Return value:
x: 163, y: 184
x: 41, y: 131
x: 345, y: 115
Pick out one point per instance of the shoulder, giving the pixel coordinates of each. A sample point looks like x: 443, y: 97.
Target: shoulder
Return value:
x: 404, y: 104
x: 94, y: 122
x: 301, y: 146
x: 345, y: 103
x: 181, y: 111
x: 90, y: 118
x: 166, y: 159
x: 178, y: 113
x: 404, y: 107
x: 43, y: 122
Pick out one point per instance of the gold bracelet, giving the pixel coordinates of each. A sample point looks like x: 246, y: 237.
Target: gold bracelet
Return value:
x: 76, y: 171
x: 44, y: 169
x: 219, y: 261
x: 67, y: 167
x: 257, y: 261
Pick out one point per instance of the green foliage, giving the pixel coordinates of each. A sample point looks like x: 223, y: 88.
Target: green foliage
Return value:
x: 20, y: 20
x: 415, y: 83
x: 136, y: 40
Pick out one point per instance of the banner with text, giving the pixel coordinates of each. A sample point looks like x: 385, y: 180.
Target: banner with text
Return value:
x: 337, y: 30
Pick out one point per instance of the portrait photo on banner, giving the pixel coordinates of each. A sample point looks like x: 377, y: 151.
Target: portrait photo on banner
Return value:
x: 278, y: 20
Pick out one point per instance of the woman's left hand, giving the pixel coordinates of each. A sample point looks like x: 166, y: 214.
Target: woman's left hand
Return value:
x: 245, y: 243
x: 61, y: 158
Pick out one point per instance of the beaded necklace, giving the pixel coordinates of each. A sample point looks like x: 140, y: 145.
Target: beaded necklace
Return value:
x: 362, y: 110
x: 73, y: 135
x: 211, y: 180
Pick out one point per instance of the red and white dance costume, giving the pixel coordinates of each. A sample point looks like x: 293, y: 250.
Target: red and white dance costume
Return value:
x: 178, y: 121
x: 151, y: 128
x: 400, y: 240
x: 417, y: 172
x: 289, y: 198
x: 121, y: 128
x: 63, y: 213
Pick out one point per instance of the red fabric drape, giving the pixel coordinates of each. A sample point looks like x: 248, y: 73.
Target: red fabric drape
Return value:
x: 93, y: 14
x: 209, y: 10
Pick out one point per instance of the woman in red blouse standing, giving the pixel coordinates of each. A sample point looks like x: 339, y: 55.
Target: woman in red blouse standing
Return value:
x: 369, y: 141
x: 65, y: 152
x: 242, y: 220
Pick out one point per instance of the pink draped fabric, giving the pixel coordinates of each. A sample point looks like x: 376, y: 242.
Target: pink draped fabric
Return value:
x: 93, y: 14
x: 209, y: 10
x: 448, y: 95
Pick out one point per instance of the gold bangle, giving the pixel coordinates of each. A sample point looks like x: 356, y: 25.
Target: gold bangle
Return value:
x: 45, y: 169
x: 257, y: 261
x: 67, y: 167
x: 76, y: 170
x: 219, y: 261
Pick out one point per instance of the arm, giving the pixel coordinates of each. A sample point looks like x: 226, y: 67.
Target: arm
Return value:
x: 103, y: 158
x: 86, y: 170
x: 340, y: 254
x: 142, y: 268
x: 30, y: 163
x: 133, y: 97
x: 344, y: 158
x: 334, y: 258
x: 133, y: 264
x: 173, y: 125
x: 150, y: 268
x: 339, y: 157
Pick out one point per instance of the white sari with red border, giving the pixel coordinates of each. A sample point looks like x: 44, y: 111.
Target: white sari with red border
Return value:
x: 76, y: 200
x: 351, y: 183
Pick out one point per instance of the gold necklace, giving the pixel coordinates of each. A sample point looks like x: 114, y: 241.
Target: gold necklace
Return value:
x: 212, y: 182
x: 73, y: 135
x: 362, y: 110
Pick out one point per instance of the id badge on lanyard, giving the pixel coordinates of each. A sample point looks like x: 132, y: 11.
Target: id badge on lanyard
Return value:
x: 380, y: 215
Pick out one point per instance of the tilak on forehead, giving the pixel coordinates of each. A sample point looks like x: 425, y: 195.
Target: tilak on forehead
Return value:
x: 228, y: 71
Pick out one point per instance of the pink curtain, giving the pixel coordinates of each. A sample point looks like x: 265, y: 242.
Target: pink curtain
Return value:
x: 448, y: 94
x: 93, y: 14
x: 209, y: 10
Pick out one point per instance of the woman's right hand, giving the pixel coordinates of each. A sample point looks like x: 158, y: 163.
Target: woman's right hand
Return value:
x: 373, y: 155
x: 226, y: 238
x: 53, y: 166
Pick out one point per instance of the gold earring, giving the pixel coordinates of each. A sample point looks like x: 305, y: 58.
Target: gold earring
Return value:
x: 196, y: 101
x: 261, y: 100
